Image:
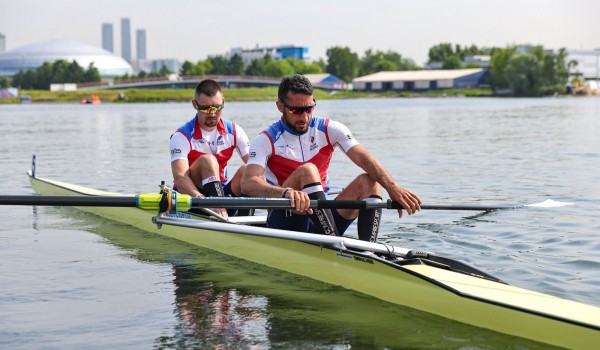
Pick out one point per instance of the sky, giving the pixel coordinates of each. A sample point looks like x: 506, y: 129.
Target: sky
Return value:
x: 194, y: 30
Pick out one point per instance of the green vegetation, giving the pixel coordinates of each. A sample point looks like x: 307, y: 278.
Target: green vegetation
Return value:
x: 238, y: 94
x: 528, y: 71
x: 452, y: 57
x: 532, y: 73
x: 58, y: 72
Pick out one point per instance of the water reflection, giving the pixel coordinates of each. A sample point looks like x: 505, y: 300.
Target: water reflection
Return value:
x: 223, y: 302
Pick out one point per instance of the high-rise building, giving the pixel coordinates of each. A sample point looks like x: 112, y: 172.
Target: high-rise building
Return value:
x: 140, y: 44
x: 125, y: 39
x: 2, y: 42
x: 107, y: 37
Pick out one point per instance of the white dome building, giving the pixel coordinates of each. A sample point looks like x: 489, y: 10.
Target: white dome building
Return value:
x: 34, y: 55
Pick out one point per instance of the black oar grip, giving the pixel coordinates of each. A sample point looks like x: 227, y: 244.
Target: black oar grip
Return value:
x: 341, y: 204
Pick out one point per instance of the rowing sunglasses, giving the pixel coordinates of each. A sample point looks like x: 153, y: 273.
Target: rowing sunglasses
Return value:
x: 210, y: 109
x: 298, y: 110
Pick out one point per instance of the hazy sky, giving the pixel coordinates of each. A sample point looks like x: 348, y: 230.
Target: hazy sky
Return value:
x: 192, y: 30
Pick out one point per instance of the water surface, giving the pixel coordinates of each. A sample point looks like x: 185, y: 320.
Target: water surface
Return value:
x: 70, y: 280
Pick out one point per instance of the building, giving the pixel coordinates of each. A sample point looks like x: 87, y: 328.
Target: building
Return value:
x: 34, y: 55
x: 107, y: 37
x: 482, y: 61
x: 173, y: 65
x: 2, y: 43
x: 421, y: 80
x: 276, y: 52
x: 140, y: 44
x: 125, y: 39
x: 587, y: 63
x: 326, y: 81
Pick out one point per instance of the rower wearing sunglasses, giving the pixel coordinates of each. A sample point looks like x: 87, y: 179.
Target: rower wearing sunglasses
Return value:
x: 202, y: 147
x: 293, y: 156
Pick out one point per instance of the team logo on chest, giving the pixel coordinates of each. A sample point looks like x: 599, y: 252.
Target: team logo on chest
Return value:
x: 313, y: 145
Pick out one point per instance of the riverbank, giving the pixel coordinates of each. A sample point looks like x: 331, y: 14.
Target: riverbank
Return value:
x: 238, y: 94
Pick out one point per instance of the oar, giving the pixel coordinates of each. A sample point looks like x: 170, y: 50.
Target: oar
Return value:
x: 182, y: 202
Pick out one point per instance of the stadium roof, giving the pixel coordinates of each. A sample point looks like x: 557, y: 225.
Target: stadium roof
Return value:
x: 34, y: 55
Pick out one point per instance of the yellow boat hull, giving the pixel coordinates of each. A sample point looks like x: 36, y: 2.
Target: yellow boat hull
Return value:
x: 457, y: 296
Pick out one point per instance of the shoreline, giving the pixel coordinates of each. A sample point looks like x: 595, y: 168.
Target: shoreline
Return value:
x: 232, y: 95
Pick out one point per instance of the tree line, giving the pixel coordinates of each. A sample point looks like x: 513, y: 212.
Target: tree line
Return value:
x: 59, y: 72
x: 340, y: 62
x: 529, y: 72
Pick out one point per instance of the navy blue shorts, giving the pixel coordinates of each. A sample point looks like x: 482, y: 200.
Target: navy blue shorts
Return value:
x: 284, y: 219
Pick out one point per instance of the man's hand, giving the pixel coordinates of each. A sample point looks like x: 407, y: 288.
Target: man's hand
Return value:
x: 408, y: 200
x: 299, y: 201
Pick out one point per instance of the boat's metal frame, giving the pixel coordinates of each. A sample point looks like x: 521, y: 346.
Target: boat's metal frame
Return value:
x: 415, y: 279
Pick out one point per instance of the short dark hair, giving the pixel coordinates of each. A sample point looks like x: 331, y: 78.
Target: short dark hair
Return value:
x: 208, y: 87
x: 296, y: 83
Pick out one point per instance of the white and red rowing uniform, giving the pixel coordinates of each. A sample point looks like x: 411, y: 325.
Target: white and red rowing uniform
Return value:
x: 190, y: 142
x: 280, y: 150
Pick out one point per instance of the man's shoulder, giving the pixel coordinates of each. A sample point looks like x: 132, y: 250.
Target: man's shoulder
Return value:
x: 274, y: 130
x: 188, y: 127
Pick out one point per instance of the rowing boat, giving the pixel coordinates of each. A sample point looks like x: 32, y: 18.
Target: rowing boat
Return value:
x: 411, y: 278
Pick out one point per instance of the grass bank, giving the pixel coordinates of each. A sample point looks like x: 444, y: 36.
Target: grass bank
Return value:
x: 239, y: 94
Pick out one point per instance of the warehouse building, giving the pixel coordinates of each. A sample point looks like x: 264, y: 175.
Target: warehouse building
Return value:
x: 421, y: 80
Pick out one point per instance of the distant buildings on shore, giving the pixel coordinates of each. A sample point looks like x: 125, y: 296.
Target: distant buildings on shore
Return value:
x: 125, y: 39
x: 107, y: 37
x: 2, y: 43
x: 276, y: 52
x: 584, y: 64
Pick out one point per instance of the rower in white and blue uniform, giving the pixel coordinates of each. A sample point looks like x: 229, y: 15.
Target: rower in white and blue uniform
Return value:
x: 293, y: 156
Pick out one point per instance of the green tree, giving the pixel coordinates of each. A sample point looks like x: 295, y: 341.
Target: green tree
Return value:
x: 92, y: 74
x: 301, y: 67
x: 408, y: 64
x: 452, y: 62
x: 218, y: 65
x: 452, y: 57
x: 4, y: 82
x: 279, y: 68
x: 498, y: 64
x: 58, y: 72
x: 342, y: 63
x: 555, y: 71
x: 199, y: 68
x: 439, y: 52
x: 164, y: 71
x: 378, y: 61
x: 187, y: 68
x: 523, y: 73
x: 257, y: 68
x: 321, y: 63
x: 235, y: 66
x: 533, y: 73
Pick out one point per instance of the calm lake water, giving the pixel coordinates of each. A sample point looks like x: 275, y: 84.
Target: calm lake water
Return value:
x: 71, y: 280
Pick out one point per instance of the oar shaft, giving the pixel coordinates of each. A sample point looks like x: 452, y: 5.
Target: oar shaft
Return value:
x: 185, y: 202
x: 79, y: 201
x: 473, y: 207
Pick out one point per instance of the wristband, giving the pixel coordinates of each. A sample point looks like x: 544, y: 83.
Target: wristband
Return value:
x: 284, y: 192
